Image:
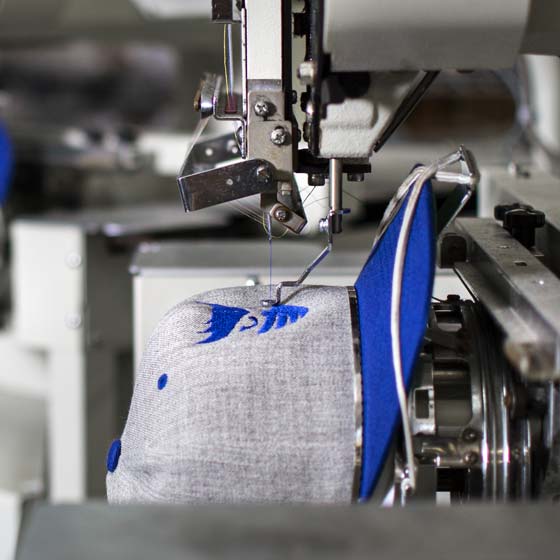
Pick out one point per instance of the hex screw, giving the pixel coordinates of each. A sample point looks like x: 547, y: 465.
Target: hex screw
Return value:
x: 281, y: 214
x: 279, y: 136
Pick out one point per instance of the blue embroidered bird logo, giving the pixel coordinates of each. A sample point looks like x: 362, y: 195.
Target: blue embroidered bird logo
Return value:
x: 224, y: 319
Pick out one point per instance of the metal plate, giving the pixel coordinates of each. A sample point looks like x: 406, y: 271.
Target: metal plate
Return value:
x: 519, y: 291
x: 94, y: 531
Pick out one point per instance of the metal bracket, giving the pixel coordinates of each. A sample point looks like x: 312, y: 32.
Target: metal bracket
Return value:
x: 224, y: 184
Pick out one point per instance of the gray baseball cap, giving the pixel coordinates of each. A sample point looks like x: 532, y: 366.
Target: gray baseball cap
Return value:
x: 236, y: 403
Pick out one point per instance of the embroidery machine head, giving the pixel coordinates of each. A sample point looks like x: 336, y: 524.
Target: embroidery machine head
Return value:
x: 356, y: 84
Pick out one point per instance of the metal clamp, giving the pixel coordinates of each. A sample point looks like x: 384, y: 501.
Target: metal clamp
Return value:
x: 465, y: 181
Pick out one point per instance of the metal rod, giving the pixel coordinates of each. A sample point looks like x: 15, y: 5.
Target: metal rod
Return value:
x: 335, y: 178
x: 230, y: 77
x: 335, y: 194
x: 296, y: 283
x: 244, y: 88
x: 308, y: 270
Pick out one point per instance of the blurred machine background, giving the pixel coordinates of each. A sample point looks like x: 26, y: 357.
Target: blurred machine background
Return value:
x: 96, y: 114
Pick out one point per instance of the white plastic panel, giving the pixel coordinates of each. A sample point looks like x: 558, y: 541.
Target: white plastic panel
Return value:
x: 368, y: 35
x: 264, y: 39
x: 48, y: 284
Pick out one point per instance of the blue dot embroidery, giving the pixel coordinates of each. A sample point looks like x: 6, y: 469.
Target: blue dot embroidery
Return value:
x: 113, y: 456
x: 162, y: 381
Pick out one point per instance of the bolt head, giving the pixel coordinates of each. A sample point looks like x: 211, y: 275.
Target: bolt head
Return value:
x: 316, y: 179
x: 279, y: 136
x: 263, y: 174
x: 470, y: 435
x: 281, y: 214
x: 470, y: 458
x: 261, y: 108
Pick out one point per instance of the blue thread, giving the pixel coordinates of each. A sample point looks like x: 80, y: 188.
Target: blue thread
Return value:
x: 254, y: 321
x: 113, y: 456
x: 162, y: 381
x: 224, y: 319
x: 278, y: 316
x: 373, y: 287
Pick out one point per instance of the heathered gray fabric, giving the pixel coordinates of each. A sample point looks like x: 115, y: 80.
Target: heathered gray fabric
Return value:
x: 250, y: 418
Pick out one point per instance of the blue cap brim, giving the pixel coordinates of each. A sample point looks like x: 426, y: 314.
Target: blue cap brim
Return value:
x: 373, y: 287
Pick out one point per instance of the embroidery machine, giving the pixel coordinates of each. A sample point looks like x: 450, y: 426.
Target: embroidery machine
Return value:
x: 366, y: 66
x: 483, y: 410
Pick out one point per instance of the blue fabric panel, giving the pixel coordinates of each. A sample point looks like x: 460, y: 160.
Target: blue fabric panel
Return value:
x: 6, y: 164
x: 373, y: 287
